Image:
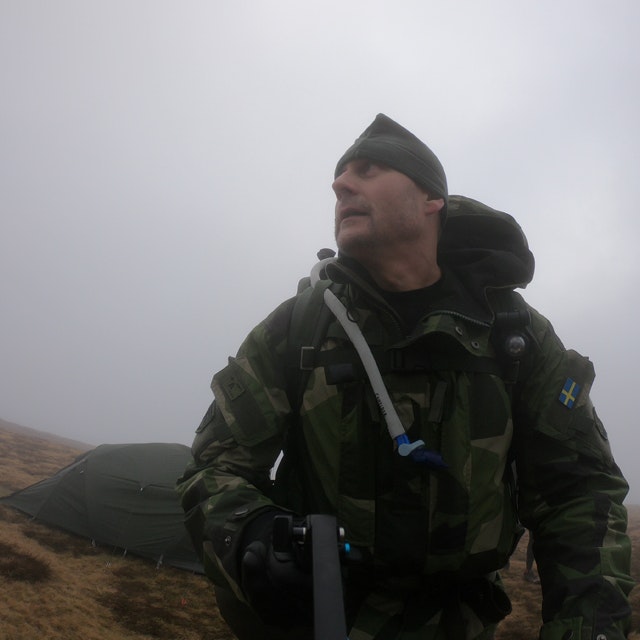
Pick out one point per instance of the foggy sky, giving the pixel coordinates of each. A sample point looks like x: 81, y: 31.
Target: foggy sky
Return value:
x: 165, y: 174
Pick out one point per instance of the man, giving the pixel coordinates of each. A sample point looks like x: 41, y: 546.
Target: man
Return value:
x: 488, y: 427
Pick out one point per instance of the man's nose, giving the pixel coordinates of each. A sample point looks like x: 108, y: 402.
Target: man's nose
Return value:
x: 343, y: 184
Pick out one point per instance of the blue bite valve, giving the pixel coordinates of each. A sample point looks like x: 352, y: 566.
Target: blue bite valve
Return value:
x: 419, y: 453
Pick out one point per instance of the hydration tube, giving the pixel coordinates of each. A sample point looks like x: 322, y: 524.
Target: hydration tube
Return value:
x: 415, y: 450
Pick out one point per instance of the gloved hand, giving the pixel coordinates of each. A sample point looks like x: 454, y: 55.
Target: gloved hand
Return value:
x: 276, y: 584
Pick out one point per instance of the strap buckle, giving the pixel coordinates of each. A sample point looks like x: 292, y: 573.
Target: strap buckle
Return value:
x: 307, y: 358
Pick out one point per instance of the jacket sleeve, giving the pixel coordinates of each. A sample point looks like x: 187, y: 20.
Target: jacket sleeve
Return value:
x: 571, y: 496
x: 235, y: 447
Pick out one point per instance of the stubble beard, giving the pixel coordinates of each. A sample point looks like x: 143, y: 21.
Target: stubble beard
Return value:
x: 354, y: 245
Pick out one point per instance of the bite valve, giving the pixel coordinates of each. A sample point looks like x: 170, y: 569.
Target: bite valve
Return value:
x: 419, y: 453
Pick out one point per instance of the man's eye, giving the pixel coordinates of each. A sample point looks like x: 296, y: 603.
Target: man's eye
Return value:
x: 367, y: 167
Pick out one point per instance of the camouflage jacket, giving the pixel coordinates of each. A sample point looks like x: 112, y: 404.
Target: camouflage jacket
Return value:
x: 445, y: 527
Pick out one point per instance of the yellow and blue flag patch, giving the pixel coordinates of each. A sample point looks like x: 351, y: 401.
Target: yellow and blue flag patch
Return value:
x: 569, y: 393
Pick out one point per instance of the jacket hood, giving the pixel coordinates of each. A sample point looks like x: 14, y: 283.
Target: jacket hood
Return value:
x: 484, y: 247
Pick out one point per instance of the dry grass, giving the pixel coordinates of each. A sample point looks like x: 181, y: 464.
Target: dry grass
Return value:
x: 27, y: 456
x: 59, y: 587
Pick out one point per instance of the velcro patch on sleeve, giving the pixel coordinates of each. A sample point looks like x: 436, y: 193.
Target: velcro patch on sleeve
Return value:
x: 242, y: 405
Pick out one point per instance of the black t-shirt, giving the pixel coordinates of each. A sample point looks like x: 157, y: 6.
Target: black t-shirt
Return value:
x: 413, y: 305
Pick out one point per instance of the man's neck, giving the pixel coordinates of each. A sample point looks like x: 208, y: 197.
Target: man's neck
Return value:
x: 404, y: 275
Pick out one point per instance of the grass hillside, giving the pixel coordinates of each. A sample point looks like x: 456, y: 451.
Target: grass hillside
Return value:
x: 58, y: 586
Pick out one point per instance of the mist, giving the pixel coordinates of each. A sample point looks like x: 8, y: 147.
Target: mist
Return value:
x: 165, y: 176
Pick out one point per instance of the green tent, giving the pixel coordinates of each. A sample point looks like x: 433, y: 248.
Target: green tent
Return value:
x: 122, y: 495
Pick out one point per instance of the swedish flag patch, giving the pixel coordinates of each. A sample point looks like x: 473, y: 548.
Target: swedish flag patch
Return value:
x: 569, y: 393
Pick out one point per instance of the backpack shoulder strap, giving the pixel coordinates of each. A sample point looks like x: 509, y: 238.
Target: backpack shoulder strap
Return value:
x: 310, y: 319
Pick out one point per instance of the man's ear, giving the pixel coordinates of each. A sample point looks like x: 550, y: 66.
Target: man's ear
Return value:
x: 433, y: 206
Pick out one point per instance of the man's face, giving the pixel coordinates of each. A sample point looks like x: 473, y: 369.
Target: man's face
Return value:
x: 379, y: 210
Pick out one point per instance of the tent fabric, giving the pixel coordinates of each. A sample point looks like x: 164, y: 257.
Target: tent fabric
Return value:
x: 121, y: 495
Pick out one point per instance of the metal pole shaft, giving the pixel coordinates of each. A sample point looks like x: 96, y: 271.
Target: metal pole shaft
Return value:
x: 328, y: 603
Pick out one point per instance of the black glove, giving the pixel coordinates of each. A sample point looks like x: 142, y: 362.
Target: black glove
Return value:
x: 277, y: 585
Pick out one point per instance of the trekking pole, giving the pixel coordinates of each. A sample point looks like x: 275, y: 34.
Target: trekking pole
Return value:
x: 322, y: 532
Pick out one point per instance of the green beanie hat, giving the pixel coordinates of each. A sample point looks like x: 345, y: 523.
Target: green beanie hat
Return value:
x: 385, y: 141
